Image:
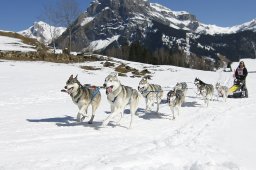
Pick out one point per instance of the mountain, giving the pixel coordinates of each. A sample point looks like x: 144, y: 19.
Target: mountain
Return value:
x: 43, y: 32
x: 114, y: 27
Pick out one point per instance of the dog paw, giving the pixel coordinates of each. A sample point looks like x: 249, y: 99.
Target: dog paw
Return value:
x: 171, y: 118
x: 82, y: 118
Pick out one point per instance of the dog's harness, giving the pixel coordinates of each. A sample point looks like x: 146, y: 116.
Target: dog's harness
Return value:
x: 113, y: 101
x: 77, y: 95
x: 95, y: 92
x: 95, y: 89
x: 145, y: 93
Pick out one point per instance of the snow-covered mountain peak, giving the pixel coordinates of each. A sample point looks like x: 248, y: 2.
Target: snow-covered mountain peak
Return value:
x: 187, y: 21
x: 162, y: 8
x: 251, y: 25
x: 43, y: 32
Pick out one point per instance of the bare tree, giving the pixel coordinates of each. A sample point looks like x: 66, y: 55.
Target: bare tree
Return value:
x: 66, y: 13
x: 49, y: 15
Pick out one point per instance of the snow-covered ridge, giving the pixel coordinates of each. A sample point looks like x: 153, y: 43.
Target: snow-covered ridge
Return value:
x: 43, y: 32
x: 86, y: 20
x: 175, y: 22
x: 162, y: 8
x: 101, y: 44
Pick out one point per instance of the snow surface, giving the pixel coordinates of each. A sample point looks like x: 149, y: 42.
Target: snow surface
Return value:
x: 39, y: 131
x: 14, y: 44
x: 86, y: 21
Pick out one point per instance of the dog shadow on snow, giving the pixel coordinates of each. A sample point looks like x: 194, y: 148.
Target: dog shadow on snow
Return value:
x: 159, y: 115
x: 150, y: 115
x: 66, y: 121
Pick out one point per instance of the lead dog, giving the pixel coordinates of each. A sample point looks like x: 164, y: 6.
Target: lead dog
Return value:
x: 206, y: 90
x: 152, y: 93
x: 119, y: 96
x: 175, y: 98
x: 83, y: 96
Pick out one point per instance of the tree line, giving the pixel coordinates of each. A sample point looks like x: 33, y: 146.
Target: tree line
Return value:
x: 161, y: 56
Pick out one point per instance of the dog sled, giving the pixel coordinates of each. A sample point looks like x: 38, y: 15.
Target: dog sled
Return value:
x: 238, y: 90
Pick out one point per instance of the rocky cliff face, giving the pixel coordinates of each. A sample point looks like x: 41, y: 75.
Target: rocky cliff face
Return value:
x: 115, y: 23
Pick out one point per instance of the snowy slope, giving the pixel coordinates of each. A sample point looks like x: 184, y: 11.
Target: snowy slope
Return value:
x: 43, y: 32
x: 38, y: 128
x: 101, y: 44
x: 14, y: 44
x: 173, y: 17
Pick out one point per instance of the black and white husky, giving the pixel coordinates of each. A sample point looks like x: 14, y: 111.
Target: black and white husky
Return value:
x: 181, y: 86
x: 119, y: 96
x: 205, y: 90
x: 152, y: 93
x: 175, y: 98
x: 222, y: 91
x: 83, y: 96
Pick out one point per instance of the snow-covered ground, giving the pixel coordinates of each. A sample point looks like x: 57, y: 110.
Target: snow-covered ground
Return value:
x: 38, y: 128
x: 14, y: 44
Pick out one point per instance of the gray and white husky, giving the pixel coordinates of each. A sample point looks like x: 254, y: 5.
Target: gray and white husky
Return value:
x: 181, y: 86
x: 83, y: 96
x: 206, y: 90
x: 222, y: 91
x: 119, y: 96
x: 152, y: 93
x: 175, y: 98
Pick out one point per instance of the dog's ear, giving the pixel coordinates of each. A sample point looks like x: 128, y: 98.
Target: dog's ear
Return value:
x: 71, y: 77
x: 114, y: 74
x: 147, y: 77
x: 76, y: 76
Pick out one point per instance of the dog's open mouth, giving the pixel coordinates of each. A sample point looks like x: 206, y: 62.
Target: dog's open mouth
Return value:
x: 109, y: 89
x: 69, y: 91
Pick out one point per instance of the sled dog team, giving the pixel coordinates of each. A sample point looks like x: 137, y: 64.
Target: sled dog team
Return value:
x: 119, y: 96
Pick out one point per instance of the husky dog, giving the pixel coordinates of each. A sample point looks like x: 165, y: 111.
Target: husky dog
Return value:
x: 222, y: 91
x: 175, y: 99
x: 206, y: 90
x: 119, y: 96
x: 152, y: 93
x: 181, y: 86
x: 82, y: 96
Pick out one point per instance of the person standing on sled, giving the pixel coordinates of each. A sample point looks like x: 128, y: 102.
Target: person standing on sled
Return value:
x: 240, y: 75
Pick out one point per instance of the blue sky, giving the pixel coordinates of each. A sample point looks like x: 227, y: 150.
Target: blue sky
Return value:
x: 16, y: 15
